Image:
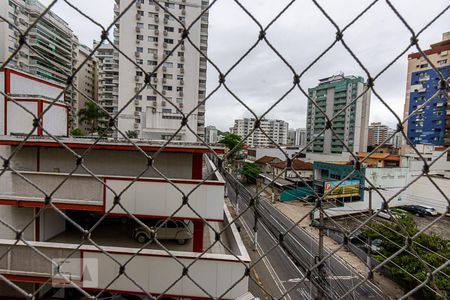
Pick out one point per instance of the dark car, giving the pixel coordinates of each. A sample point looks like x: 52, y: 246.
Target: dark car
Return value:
x: 417, y: 210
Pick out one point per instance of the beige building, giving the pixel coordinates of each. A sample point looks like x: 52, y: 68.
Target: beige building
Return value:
x: 87, y: 80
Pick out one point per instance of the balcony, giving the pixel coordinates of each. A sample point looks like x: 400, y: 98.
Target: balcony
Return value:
x: 86, y: 193
x: 215, y: 271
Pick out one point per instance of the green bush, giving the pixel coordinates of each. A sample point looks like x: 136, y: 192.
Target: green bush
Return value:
x: 432, y: 249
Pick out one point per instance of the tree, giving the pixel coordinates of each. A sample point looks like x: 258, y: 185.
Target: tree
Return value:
x: 250, y: 171
x: 432, y: 249
x: 131, y: 134
x: 77, y: 132
x: 231, y: 140
x: 90, y: 115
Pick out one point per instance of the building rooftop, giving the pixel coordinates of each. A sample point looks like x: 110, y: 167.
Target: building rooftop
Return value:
x: 381, y: 156
x: 266, y: 159
x: 111, y: 144
x: 297, y: 164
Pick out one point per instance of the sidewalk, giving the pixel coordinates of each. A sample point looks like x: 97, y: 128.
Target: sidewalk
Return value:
x: 297, y: 210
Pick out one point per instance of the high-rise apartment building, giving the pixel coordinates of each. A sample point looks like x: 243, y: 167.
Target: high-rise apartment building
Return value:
x: 378, y: 133
x: 54, y: 46
x: 108, y: 77
x: 87, y: 80
x: 300, y: 137
x: 211, y: 134
x: 333, y: 94
x: 277, y: 130
x: 148, y: 34
x: 428, y: 124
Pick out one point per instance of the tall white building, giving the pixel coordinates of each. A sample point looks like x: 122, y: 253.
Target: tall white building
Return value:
x: 332, y: 94
x: 277, y: 130
x: 148, y: 34
x: 300, y: 137
x: 211, y: 134
x: 108, y: 77
x: 50, y: 38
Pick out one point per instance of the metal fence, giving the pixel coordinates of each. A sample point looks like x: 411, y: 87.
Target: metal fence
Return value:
x: 320, y: 263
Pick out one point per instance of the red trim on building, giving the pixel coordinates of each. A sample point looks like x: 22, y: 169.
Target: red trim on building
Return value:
x: 38, y: 204
x: 433, y: 50
x: 40, y: 109
x: 197, y: 166
x: 72, y: 145
x: 25, y: 278
x: 7, y: 91
x: 198, y: 236
x: 35, y: 79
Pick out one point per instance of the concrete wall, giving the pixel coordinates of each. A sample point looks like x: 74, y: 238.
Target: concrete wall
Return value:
x: 22, y: 85
x: 17, y: 217
x: 105, y: 162
x: 51, y: 224
x: 2, y: 86
x: 312, y: 157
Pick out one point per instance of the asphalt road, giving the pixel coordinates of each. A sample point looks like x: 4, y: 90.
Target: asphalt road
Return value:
x: 289, y: 268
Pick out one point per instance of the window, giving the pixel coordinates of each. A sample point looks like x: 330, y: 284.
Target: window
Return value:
x: 180, y: 54
x: 140, y: 37
x: 140, y: 49
x: 168, y: 76
x: 179, y: 100
x: 167, y: 87
x: 181, y: 6
x: 153, y: 39
x: 168, y: 28
x: 152, y: 51
x: 152, y: 15
x: 180, y: 77
x: 168, y: 41
x: 442, y: 62
x: 140, y: 13
x: 170, y: 5
x: 139, y: 73
x: 152, y: 26
x: 138, y: 108
x: 179, y: 88
x: 140, y: 25
x: 167, y: 110
x: 180, y: 66
x: 152, y: 62
x: 151, y: 98
x: 139, y: 61
x: 168, y: 64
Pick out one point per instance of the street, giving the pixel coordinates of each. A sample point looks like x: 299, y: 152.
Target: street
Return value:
x: 290, y: 263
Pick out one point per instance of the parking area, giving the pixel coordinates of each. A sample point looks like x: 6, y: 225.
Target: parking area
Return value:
x: 113, y: 232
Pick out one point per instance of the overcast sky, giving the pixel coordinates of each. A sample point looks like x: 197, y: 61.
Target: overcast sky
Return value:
x: 300, y: 35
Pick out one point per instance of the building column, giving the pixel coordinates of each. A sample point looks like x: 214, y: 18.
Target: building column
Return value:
x: 198, y: 236
x: 197, y: 165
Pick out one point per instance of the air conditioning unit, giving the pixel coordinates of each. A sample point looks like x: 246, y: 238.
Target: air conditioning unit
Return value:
x: 182, y: 58
x: 166, y: 21
x: 138, y: 16
x: 137, y: 89
x: 155, y: 79
x: 180, y: 94
x: 182, y: 47
x: 163, y: 103
x: 155, y: 55
x: 138, y: 4
x: 182, y: 70
x: 156, y: 31
x: 183, y: 12
x: 138, y: 41
x: 166, y: 33
x: 136, y: 78
x: 137, y: 54
x: 137, y: 113
x: 164, y: 68
x: 181, y: 82
x: 165, y: 45
x: 138, y: 29
x: 136, y: 102
x: 163, y: 92
x: 155, y: 103
x: 164, y: 80
x: 156, y: 44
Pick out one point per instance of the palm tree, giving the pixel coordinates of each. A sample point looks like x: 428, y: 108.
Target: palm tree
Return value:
x: 90, y: 115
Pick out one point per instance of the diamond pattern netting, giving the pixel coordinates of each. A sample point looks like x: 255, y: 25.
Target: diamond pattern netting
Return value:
x: 255, y: 202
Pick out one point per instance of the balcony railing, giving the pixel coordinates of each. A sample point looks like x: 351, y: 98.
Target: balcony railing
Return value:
x: 145, y: 197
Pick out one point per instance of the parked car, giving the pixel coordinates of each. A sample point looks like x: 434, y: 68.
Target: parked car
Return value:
x: 395, y: 212
x: 170, y: 230
x: 419, y: 210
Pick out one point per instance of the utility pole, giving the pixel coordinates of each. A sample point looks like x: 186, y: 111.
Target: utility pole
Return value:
x: 237, y: 201
x: 319, y: 257
x: 369, y: 240
x: 255, y: 227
